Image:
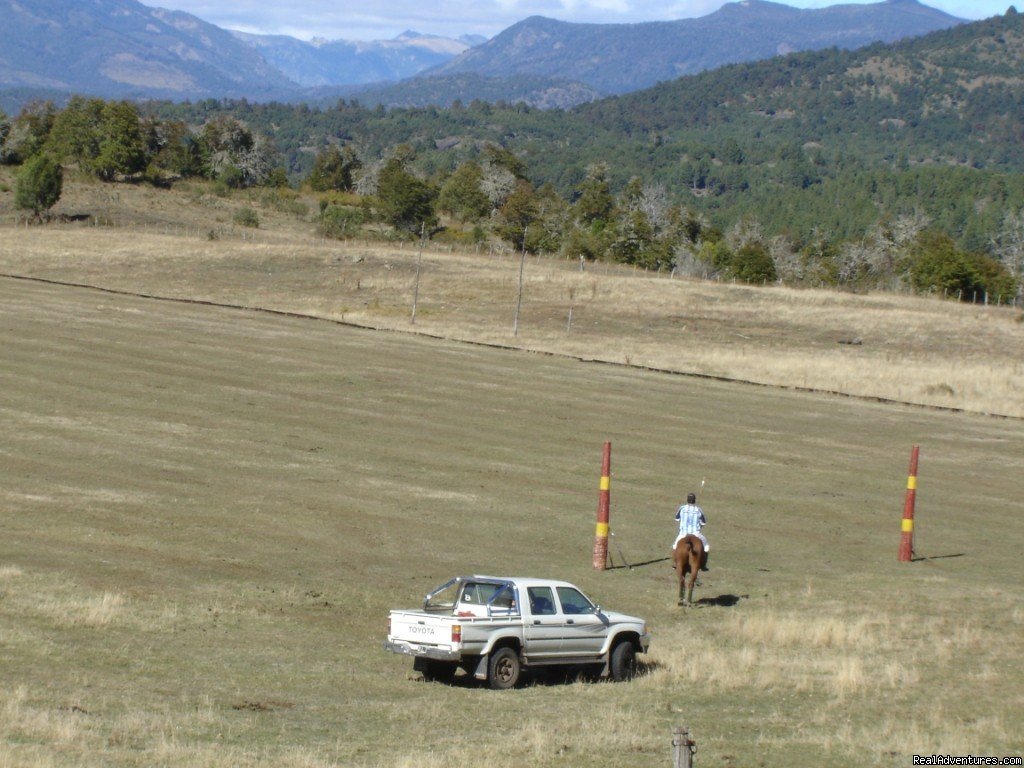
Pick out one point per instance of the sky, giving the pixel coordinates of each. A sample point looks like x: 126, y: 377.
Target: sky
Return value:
x: 385, y: 19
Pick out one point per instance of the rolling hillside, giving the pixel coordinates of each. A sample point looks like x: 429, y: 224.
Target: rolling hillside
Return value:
x: 963, y: 82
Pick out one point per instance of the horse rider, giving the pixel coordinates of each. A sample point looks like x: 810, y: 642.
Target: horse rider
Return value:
x: 691, y: 519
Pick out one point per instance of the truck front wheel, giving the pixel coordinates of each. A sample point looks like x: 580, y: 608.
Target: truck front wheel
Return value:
x: 503, y: 669
x: 623, y: 664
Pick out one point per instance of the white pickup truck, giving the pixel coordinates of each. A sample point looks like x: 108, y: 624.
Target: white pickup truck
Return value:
x: 494, y: 627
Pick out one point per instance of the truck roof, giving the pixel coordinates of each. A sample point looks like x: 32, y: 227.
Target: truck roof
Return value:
x: 519, y: 580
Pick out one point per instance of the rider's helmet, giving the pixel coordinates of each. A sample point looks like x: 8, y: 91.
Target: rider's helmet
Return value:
x: 691, y: 498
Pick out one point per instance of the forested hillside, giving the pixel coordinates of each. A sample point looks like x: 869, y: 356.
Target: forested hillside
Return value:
x: 537, y: 91
x: 896, y: 166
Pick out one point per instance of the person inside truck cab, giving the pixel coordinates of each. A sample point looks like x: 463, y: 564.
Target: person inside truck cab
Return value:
x: 505, y: 601
x: 541, y: 602
x: 480, y: 599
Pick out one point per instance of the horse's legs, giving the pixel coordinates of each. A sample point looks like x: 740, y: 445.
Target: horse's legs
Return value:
x: 694, y: 565
x: 679, y: 565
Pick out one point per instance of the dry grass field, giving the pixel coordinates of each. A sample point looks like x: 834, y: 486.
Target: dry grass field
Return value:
x: 916, y: 350
x: 206, y: 512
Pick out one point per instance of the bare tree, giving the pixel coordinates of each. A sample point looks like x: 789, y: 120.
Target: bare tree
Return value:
x: 655, y: 204
x: 789, y: 264
x: 257, y: 162
x: 855, y: 260
x: 873, y: 260
x: 366, y: 184
x: 890, y: 243
x: 497, y: 183
x: 746, y: 231
x: 905, y: 229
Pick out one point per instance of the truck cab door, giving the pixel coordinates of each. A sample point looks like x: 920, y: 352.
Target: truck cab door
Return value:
x: 584, y: 629
x: 543, y: 627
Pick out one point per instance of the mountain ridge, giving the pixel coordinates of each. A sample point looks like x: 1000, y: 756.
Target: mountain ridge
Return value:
x: 759, y: 28
x: 320, y: 62
x: 123, y: 49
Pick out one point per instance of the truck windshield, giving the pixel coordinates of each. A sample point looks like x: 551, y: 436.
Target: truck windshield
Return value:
x: 574, y: 601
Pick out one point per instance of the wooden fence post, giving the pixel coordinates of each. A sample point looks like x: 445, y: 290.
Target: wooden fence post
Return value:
x: 683, y: 748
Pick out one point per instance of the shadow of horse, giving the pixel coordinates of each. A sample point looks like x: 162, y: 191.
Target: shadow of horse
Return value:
x: 722, y: 601
x: 631, y: 566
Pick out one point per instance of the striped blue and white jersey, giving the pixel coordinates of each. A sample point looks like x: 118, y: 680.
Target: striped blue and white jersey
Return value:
x: 691, y: 518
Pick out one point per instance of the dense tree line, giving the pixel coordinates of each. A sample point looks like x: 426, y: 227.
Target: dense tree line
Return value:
x: 720, y: 205
x: 598, y: 183
x: 114, y: 141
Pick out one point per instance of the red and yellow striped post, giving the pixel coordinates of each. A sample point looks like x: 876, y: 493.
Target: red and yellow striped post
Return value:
x: 907, y: 541
x: 603, y: 507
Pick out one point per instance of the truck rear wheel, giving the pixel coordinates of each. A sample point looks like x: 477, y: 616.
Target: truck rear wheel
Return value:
x: 623, y: 664
x: 503, y: 669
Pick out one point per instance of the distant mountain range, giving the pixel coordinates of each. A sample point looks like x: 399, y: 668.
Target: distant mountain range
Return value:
x: 344, y: 62
x: 123, y: 49
x: 617, y: 58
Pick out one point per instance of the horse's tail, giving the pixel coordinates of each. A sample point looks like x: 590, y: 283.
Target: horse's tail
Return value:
x: 694, y: 552
x: 697, y: 545
x: 682, y: 553
x: 690, y: 542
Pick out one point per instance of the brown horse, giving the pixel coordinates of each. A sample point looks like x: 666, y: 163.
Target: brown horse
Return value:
x: 686, y: 558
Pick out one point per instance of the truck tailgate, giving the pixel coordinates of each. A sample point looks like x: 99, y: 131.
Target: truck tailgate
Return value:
x: 421, y: 628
